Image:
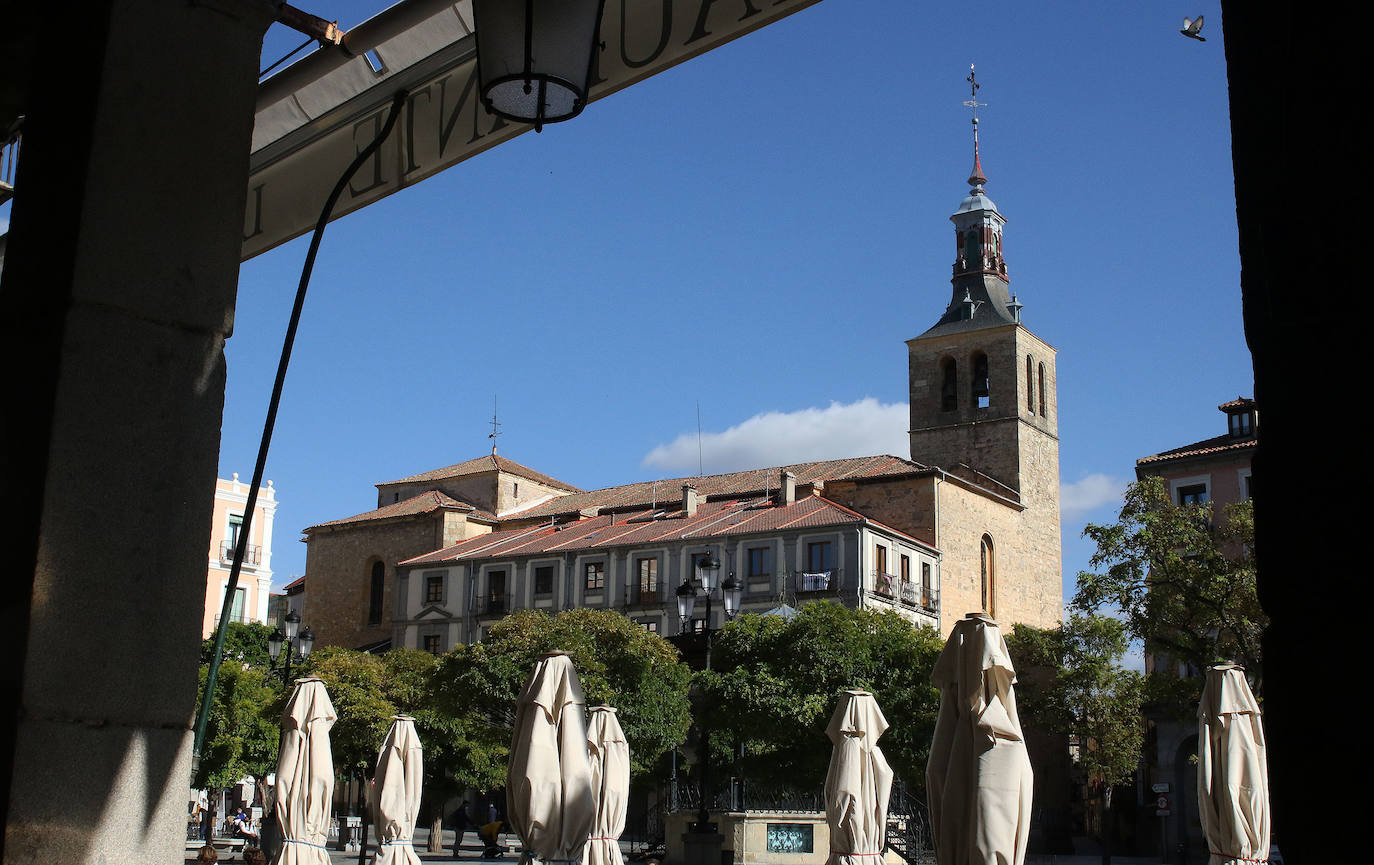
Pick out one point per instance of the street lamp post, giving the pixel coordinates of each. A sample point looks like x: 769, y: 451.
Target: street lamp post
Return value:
x: 708, y: 569
x: 295, y: 642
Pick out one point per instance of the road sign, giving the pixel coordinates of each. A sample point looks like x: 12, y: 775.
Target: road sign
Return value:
x: 1162, y: 803
x: 1162, y: 787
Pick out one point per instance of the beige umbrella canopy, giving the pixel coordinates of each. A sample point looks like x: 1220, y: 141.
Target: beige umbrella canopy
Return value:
x: 549, y: 797
x: 1233, y: 771
x: 305, y: 775
x: 396, y: 792
x: 610, y: 759
x: 859, y: 782
x: 979, y: 775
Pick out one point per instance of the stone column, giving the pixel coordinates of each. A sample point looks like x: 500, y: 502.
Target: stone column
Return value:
x: 119, y: 286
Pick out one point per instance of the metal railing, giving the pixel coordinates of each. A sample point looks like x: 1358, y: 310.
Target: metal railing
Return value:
x: 811, y: 583
x: 252, y: 556
x: 497, y: 605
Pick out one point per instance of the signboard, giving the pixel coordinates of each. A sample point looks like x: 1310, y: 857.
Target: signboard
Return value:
x: 1162, y: 787
x: 306, y: 132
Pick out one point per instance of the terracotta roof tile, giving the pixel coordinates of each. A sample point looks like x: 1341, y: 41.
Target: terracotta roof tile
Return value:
x: 422, y: 504
x: 668, y: 492
x: 712, y: 520
x: 1215, y: 445
x: 488, y: 463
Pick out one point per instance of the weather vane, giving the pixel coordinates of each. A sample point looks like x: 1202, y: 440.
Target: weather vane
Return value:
x: 972, y: 102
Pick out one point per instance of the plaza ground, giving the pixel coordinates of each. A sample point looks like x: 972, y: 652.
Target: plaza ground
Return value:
x: 471, y: 850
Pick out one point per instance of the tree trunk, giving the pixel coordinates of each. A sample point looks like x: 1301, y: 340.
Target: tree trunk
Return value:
x: 1108, y: 816
x: 436, y: 832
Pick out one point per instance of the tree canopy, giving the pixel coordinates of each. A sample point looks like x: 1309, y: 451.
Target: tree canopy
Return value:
x: 1181, y: 580
x: 619, y: 663
x: 774, y: 684
x: 1087, y: 694
x: 242, y: 734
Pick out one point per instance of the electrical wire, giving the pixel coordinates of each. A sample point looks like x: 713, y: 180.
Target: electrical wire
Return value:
x: 292, y: 53
x: 240, y: 548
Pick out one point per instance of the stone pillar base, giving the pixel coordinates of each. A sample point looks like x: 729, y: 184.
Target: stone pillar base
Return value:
x: 702, y: 848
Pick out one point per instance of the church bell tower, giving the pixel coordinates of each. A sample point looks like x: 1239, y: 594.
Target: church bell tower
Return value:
x: 982, y: 386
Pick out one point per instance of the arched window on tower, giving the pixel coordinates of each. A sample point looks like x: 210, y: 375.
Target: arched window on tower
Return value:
x: 1042, y: 390
x: 949, y: 385
x: 980, y: 379
x: 989, y: 579
x: 1030, y: 385
x: 376, y: 590
x: 971, y: 254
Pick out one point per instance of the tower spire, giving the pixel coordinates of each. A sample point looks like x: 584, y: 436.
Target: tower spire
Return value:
x: 976, y: 179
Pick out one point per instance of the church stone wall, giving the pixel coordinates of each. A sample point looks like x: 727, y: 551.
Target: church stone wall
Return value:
x: 982, y: 438
x: 338, y: 572
x: 1025, y: 586
x: 905, y: 504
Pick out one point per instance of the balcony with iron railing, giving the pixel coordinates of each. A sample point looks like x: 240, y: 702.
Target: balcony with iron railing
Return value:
x: 818, y: 583
x: 497, y: 604
x: 645, y: 594
x: 252, y: 556
x: 908, y: 593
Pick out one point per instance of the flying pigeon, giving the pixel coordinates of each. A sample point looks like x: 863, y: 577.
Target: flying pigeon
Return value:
x: 1191, y: 28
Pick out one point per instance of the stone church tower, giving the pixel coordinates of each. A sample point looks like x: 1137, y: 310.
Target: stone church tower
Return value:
x: 983, y: 405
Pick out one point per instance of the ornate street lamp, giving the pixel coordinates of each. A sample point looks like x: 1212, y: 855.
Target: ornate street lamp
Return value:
x: 535, y: 57
x: 295, y: 644
x: 708, y: 569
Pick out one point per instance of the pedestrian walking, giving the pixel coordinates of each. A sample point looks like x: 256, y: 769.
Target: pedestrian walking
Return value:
x: 460, y: 827
x: 207, y: 822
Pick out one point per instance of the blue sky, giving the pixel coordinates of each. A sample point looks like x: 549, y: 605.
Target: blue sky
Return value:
x: 759, y: 230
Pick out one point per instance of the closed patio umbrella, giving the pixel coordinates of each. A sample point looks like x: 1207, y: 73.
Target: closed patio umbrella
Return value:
x: 305, y: 775
x: 549, y: 798
x: 859, y: 782
x: 1233, y: 770
x: 979, y: 774
x: 396, y: 793
x: 610, y: 759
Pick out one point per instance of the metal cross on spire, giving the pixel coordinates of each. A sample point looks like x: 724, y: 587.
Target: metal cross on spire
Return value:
x: 495, y: 425
x: 976, y: 179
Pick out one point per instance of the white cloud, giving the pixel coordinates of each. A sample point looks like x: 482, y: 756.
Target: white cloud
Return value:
x: 779, y: 438
x: 1089, y: 494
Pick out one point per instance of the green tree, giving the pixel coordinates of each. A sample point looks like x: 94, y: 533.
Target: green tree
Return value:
x: 1183, y: 582
x: 242, y: 733
x: 241, y: 736
x: 244, y: 642
x: 619, y: 663
x: 1071, y: 682
x: 357, y: 686
x: 774, y: 684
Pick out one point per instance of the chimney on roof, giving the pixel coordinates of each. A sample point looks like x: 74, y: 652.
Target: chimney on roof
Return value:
x: 787, y: 492
x: 689, y: 500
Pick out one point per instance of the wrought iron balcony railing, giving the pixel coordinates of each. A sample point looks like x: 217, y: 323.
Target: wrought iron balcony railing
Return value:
x: 252, y: 557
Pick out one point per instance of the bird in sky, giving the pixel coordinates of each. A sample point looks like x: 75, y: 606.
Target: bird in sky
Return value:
x: 1191, y: 28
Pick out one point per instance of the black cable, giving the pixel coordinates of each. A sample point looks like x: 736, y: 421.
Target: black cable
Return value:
x: 293, y: 52
x: 365, y: 154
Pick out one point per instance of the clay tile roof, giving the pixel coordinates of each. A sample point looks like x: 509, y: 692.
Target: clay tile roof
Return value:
x: 424, y: 503
x: 668, y: 492
x: 712, y: 520
x: 298, y: 581
x: 1238, y: 402
x: 488, y: 463
x: 1218, y: 444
